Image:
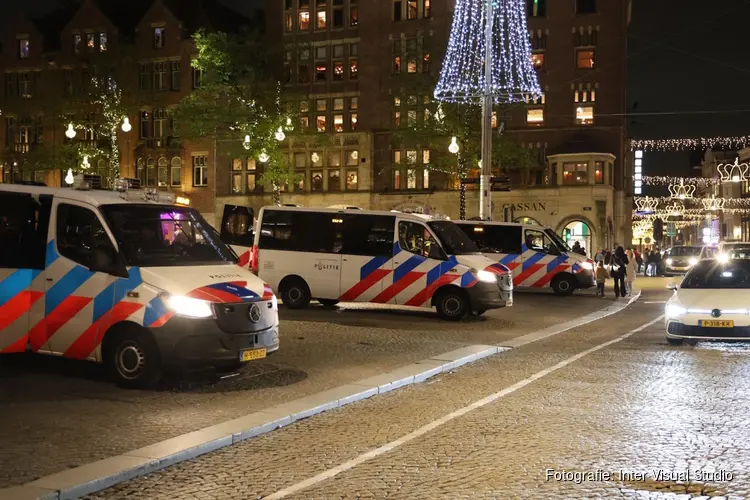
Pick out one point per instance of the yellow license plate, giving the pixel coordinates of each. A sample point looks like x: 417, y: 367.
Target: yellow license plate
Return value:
x: 716, y: 323
x: 252, y: 354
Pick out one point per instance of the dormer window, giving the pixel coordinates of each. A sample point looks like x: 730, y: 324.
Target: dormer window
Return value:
x: 77, y: 43
x: 90, y: 42
x: 159, y: 38
x: 102, y: 42
x: 23, y: 48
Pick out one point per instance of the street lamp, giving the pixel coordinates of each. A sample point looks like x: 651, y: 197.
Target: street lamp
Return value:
x: 71, y: 132
x: 454, y: 148
x: 126, y: 126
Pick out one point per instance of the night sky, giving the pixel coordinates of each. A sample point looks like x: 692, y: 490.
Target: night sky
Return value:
x: 685, y: 56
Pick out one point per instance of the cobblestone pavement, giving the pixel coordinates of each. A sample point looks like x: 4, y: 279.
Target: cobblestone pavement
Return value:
x: 623, y: 414
x: 56, y: 414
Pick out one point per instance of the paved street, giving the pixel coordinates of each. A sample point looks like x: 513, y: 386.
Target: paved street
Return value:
x: 632, y: 407
x: 56, y: 414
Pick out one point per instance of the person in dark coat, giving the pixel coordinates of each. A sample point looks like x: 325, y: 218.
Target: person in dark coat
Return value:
x: 619, y: 261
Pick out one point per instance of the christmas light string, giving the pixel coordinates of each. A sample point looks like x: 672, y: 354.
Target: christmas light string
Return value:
x: 654, y: 202
x: 681, y: 144
x: 662, y: 180
x: 513, y: 73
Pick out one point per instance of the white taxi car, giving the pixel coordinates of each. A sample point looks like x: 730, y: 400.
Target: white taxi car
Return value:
x: 711, y: 303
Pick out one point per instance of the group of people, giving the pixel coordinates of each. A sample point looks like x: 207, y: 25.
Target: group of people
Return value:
x: 621, y: 266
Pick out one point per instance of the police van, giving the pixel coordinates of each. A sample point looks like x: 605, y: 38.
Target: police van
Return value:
x: 537, y: 256
x: 354, y: 255
x: 126, y: 278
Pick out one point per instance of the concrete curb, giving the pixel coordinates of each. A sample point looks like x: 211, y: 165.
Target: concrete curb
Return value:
x: 96, y: 476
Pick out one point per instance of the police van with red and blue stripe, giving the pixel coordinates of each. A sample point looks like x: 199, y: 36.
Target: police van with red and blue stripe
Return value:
x: 352, y: 255
x: 128, y: 278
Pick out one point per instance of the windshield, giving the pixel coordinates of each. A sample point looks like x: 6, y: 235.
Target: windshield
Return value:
x: 684, y: 251
x: 561, y: 245
x: 158, y: 235
x: 454, y: 241
x: 713, y: 274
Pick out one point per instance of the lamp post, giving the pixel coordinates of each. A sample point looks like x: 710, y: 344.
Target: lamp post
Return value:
x: 127, y: 127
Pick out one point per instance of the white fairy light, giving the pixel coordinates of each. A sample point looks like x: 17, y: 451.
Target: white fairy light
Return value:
x: 263, y: 156
x: 280, y: 135
x: 69, y: 179
x: 453, y: 148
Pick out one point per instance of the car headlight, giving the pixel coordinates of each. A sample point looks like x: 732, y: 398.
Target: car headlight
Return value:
x: 723, y: 258
x: 486, y: 276
x: 189, y: 307
x: 669, y: 262
x: 587, y: 265
x: 693, y: 261
x: 674, y: 311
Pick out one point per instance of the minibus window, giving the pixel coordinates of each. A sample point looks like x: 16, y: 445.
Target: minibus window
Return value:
x: 415, y: 238
x: 540, y: 242
x: 368, y: 235
x: 23, y: 230
x: 78, y: 233
x: 454, y: 241
x: 299, y: 231
x: 558, y: 241
x: 153, y: 236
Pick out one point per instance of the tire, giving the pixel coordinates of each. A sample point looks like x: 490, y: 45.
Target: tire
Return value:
x: 672, y: 341
x: 563, y: 285
x: 133, y: 359
x: 452, y: 304
x: 328, y: 302
x: 294, y: 293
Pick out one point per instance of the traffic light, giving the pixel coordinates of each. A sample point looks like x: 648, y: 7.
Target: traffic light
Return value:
x: 568, y: 234
x: 658, y: 230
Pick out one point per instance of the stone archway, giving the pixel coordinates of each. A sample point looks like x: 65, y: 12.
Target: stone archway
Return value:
x: 576, y: 228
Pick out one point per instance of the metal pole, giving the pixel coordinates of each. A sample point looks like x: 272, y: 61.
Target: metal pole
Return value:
x: 485, y: 193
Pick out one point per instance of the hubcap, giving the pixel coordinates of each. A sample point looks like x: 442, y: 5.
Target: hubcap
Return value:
x: 564, y: 285
x: 452, y: 305
x: 295, y: 294
x: 130, y: 360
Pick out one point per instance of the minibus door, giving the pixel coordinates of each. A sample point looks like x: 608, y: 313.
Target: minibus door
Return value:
x: 237, y: 231
x: 367, y: 256
x: 409, y: 274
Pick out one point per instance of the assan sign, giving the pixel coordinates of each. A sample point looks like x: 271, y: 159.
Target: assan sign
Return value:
x: 527, y: 206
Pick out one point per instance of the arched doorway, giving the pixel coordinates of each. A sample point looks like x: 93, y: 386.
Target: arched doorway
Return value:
x: 578, y: 231
x: 527, y: 220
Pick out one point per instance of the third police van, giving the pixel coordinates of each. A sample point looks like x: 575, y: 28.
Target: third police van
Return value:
x: 537, y: 256
x: 350, y: 255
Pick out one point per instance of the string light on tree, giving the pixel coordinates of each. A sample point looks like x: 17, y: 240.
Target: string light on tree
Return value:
x: 246, y: 142
x: 280, y: 135
x: 263, y: 156
x: 453, y: 148
x: 69, y: 179
x: 680, y: 144
x: 70, y: 133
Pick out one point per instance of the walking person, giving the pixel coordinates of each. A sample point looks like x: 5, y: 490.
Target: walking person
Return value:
x: 599, y: 257
x: 617, y: 266
x: 630, y: 271
x: 601, y: 278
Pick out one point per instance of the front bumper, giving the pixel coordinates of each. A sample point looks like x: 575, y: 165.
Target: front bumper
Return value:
x: 677, y: 269
x: 189, y: 342
x: 484, y: 296
x: 678, y: 330
x: 585, y: 279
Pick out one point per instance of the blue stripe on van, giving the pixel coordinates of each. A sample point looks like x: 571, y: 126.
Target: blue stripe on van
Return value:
x: 51, y: 254
x: 372, y: 266
x: 509, y: 258
x: 407, y: 266
x: 536, y: 257
x: 16, y: 283
x: 65, y: 287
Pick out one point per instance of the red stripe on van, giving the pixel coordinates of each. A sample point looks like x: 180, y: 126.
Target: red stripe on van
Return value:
x: 426, y: 294
x: 386, y: 295
x: 364, y: 285
x: 16, y: 307
x: 548, y: 277
x: 48, y: 326
x: 84, y: 345
x: 533, y: 268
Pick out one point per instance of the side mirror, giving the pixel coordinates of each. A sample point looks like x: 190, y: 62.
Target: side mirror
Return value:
x: 104, y: 259
x: 437, y: 253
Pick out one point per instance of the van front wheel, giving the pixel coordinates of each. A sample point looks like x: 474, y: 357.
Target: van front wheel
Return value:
x: 563, y: 284
x: 452, y: 304
x: 295, y: 294
x: 132, y: 358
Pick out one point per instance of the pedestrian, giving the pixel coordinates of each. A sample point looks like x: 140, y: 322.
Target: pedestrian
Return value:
x: 601, y: 278
x: 599, y: 257
x: 617, y: 271
x: 630, y: 271
x: 576, y: 247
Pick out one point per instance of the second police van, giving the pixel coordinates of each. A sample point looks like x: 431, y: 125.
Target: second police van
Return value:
x: 127, y: 278
x: 537, y: 256
x: 355, y: 255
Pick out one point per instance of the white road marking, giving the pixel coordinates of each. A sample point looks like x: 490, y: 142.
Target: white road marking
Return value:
x: 655, y: 302
x: 350, y: 464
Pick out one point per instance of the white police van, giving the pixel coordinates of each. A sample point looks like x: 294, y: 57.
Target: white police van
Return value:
x: 537, y: 256
x: 127, y: 278
x: 350, y: 255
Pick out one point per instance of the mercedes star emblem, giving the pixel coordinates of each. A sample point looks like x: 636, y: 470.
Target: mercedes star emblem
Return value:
x: 254, y: 313
x: 716, y: 313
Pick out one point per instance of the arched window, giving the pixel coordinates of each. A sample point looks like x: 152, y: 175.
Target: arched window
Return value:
x: 141, y: 171
x: 527, y: 220
x: 163, y: 164
x: 176, y: 174
x: 150, y: 173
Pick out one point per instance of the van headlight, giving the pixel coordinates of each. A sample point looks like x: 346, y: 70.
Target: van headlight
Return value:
x: 722, y: 258
x: 486, y: 276
x: 669, y: 262
x: 674, y: 311
x: 587, y: 265
x: 693, y: 261
x: 189, y: 307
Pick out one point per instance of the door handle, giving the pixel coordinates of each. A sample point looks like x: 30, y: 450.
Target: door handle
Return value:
x: 345, y: 260
x: 50, y: 279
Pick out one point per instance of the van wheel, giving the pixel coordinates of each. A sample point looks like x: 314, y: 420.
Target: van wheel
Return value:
x: 294, y: 293
x: 328, y: 302
x: 452, y: 304
x: 132, y: 358
x: 563, y: 285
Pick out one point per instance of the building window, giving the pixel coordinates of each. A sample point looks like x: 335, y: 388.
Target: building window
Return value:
x: 237, y: 176
x: 353, y: 16
x: 23, y: 48
x: 145, y: 122
x: 161, y: 178
x: 160, y: 76
x: 353, y: 49
x: 303, y: 73
x: 584, y: 101
x: 352, y: 180
x: 159, y: 38
x: 90, y: 42
x: 145, y: 76
x: 586, y: 6
x: 251, y: 175
x: 411, y: 178
x: 426, y: 179
x: 320, y: 72
x: 320, y: 123
x: 160, y: 122
x: 176, y: 173
x: 353, y: 121
x: 334, y: 180
x: 303, y: 20
x: 397, y: 10
x: 427, y: 8
x: 10, y: 85
x: 352, y: 158
x: 197, y: 76
x: 150, y: 173
x: 536, y: 8
x: 321, y: 20
x: 77, y: 43
x: 321, y: 104
x: 575, y: 173
x: 397, y: 180
x: 316, y: 180
x: 585, y: 115
x: 338, y: 71
x: 69, y: 85
x: 102, y: 42
x: 353, y: 70
x: 321, y: 53
x: 538, y: 40
x: 24, y: 84
x: 338, y: 104
x: 537, y: 59
x: 411, y: 9
x: 535, y: 117
x: 288, y: 22
x: 599, y: 172
x: 175, y: 66
x: 338, y: 51
x: 200, y: 170
x: 338, y: 18
x: 585, y: 58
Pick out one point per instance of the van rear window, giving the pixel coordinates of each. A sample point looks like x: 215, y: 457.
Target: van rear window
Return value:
x: 494, y: 239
